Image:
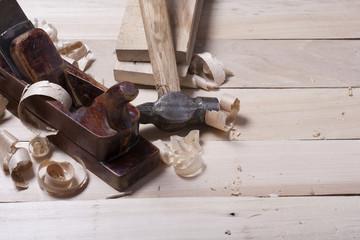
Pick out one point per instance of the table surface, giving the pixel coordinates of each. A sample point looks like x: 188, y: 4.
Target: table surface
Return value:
x: 292, y: 173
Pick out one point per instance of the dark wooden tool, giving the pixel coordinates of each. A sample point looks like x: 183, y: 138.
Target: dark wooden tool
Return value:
x: 173, y: 110
x: 101, y: 128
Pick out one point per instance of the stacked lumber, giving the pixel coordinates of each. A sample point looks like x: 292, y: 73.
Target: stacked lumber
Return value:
x: 133, y: 62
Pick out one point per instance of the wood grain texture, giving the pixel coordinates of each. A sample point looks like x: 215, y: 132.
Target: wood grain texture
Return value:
x: 265, y: 114
x: 246, y: 168
x: 279, y: 19
x: 189, y: 218
x: 264, y: 168
x: 160, y: 45
x: 279, y: 114
x: 220, y: 19
x: 83, y: 19
x: 141, y: 72
x: 287, y: 63
x: 289, y: 89
x: 184, y: 19
x: 272, y: 63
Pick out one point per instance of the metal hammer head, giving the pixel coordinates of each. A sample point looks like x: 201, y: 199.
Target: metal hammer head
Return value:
x: 176, y: 110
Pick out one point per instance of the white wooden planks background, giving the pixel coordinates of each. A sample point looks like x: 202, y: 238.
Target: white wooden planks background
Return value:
x: 293, y: 64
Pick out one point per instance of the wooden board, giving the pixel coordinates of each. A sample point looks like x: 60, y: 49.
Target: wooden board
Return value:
x: 189, y: 218
x: 271, y: 63
x: 279, y: 114
x: 288, y: 88
x: 184, y: 20
x: 266, y: 114
x: 141, y: 72
x: 83, y: 19
x: 246, y: 168
x: 250, y: 19
x: 258, y: 19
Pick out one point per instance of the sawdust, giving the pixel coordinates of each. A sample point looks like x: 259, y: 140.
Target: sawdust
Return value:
x: 235, y: 187
x: 316, y: 134
x: 234, y: 134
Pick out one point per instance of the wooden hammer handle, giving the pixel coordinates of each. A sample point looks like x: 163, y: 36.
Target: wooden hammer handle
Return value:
x: 160, y: 44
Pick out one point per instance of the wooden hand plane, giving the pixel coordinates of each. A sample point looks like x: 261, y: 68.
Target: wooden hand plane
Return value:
x: 101, y: 127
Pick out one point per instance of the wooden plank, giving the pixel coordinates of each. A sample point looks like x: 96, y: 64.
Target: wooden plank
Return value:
x: 84, y: 19
x: 246, y: 168
x: 279, y: 114
x: 184, y: 19
x: 266, y: 114
x: 189, y: 218
x: 141, y: 72
x: 219, y: 20
x: 275, y: 19
x: 287, y: 63
x: 265, y: 168
x: 271, y: 63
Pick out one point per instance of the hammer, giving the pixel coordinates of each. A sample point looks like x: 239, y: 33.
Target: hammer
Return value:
x: 173, y: 110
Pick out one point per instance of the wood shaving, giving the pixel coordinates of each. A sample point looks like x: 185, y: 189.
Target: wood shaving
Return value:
x: 207, y: 72
x: 183, y: 153
x: 255, y: 215
x: 234, y: 134
x: 47, y: 89
x: 235, y: 186
x: 76, y: 53
x: 119, y: 195
x: 59, y: 178
x: 316, y: 134
x: 14, y: 160
x: 224, y: 119
x: 39, y: 147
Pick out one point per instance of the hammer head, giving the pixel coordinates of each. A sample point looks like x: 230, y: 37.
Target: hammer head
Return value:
x: 175, y: 110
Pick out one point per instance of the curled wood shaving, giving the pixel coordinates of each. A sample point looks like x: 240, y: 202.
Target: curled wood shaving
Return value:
x: 39, y: 147
x: 58, y: 178
x: 14, y: 160
x: 183, y: 153
x: 47, y: 89
x: 224, y: 119
x: 208, y: 72
x: 76, y: 53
